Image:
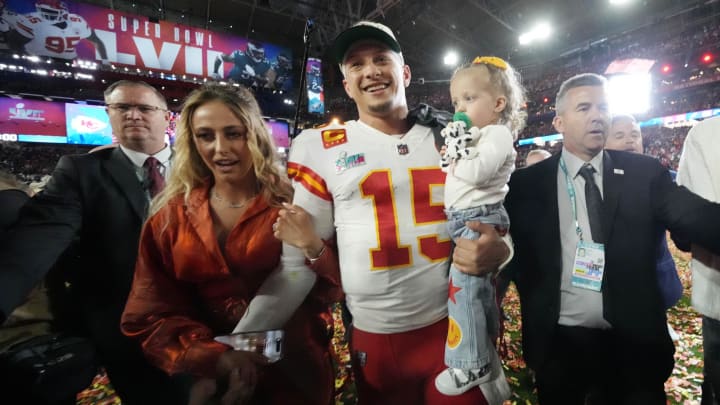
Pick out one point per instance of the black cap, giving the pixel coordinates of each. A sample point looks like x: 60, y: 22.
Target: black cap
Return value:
x: 364, y: 30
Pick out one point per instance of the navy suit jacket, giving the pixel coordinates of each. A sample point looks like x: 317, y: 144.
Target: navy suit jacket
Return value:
x: 640, y: 202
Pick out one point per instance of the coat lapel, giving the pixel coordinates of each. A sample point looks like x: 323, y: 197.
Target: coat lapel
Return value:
x: 551, y: 235
x: 613, y: 180
x: 123, y: 173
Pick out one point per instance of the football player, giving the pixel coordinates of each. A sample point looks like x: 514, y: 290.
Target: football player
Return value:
x: 52, y: 31
x: 7, y: 20
x: 280, y: 72
x: 249, y: 67
x: 314, y: 79
x: 374, y: 186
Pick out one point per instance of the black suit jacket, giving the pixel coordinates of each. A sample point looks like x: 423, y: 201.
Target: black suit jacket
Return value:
x: 640, y: 202
x: 89, y: 216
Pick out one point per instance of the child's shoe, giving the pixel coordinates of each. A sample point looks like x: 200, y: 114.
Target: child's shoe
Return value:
x: 455, y: 381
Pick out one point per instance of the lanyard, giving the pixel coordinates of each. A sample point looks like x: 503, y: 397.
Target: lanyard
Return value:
x: 573, y: 200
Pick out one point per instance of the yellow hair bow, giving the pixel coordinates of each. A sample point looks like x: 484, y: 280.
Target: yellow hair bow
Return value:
x: 492, y: 61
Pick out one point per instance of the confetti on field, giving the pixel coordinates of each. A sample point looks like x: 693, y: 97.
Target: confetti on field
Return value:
x: 683, y: 387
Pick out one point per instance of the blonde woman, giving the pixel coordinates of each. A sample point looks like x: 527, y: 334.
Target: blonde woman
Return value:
x: 207, y: 248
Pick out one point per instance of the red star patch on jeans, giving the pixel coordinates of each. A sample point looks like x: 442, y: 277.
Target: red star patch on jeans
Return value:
x: 452, y: 290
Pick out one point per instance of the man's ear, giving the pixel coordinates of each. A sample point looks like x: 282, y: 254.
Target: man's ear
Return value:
x: 558, y: 124
x: 347, y: 89
x: 407, y: 75
x: 500, y: 104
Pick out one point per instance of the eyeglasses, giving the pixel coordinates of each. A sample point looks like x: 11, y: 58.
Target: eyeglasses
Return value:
x: 142, y: 108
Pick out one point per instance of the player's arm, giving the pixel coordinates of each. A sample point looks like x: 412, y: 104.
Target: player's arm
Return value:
x: 223, y: 57
x: 312, y: 194
x: 218, y: 62
x: 262, y: 79
x: 15, y: 41
x: 99, y: 46
x: 271, y: 76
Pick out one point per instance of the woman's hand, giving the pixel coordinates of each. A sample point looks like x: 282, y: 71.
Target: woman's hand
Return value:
x: 294, y: 226
x: 240, y: 369
x: 201, y: 391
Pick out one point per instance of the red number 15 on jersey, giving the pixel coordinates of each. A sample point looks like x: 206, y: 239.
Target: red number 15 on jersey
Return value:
x: 389, y: 253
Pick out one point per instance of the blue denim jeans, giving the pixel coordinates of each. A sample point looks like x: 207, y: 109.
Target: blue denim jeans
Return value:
x: 711, y: 369
x: 670, y: 286
x: 471, y: 300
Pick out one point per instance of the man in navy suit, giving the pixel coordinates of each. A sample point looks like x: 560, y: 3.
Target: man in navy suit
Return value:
x: 585, y: 226
x: 625, y: 134
x: 86, y: 224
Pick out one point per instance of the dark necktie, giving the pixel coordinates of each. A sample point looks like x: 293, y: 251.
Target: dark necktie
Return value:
x: 593, y: 201
x: 155, y: 179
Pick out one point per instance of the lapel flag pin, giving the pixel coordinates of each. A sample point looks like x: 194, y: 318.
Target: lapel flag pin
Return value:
x: 619, y: 171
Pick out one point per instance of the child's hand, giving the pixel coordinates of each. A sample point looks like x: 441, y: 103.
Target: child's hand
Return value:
x: 445, y: 160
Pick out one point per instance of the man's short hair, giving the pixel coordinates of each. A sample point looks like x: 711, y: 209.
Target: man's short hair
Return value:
x: 584, y: 79
x: 623, y: 117
x: 130, y: 83
x: 542, y: 154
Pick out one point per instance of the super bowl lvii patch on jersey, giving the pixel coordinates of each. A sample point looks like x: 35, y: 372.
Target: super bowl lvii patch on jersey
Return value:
x: 345, y: 162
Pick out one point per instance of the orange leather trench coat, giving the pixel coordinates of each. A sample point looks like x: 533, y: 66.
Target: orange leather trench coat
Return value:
x: 185, y: 292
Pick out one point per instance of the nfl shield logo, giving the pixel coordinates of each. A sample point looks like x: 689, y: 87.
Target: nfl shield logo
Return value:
x: 403, y: 149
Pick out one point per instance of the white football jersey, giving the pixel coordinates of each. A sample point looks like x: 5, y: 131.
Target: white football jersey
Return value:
x: 47, y: 38
x: 382, y: 196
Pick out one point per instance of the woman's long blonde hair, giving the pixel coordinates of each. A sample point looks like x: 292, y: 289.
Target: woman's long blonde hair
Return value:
x: 188, y: 169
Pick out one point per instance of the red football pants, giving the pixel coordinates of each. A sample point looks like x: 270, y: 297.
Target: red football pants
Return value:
x: 400, y: 368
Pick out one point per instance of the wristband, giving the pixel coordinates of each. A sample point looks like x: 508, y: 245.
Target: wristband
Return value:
x: 319, y: 255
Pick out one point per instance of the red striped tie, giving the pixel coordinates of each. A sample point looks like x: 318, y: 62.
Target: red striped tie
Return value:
x: 156, y: 181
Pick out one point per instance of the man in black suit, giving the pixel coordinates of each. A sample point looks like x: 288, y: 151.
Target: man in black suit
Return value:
x: 86, y: 223
x: 593, y: 317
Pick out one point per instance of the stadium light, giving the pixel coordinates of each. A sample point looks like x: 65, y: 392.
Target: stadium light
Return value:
x: 540, y: 32
x: 620, y: 2
x: 451, y: 58
x: 629, y: 93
